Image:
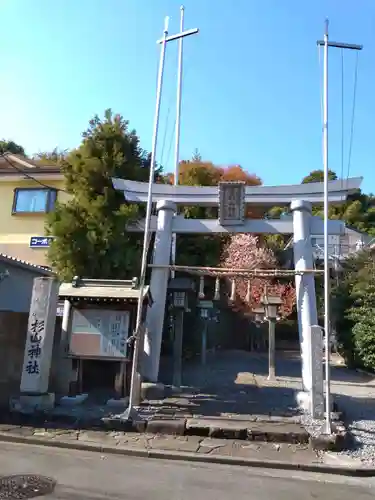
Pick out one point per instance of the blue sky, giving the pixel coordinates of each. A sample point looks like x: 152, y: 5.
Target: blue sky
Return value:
x: 252, y: 84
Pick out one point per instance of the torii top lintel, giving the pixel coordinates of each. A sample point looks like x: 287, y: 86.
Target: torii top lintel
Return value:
x: 338, y: 190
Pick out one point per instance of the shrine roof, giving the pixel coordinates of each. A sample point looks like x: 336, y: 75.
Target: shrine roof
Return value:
x: 23, y: 264
x: 112, y: 290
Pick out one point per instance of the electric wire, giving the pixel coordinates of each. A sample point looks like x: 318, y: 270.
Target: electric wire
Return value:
x: 30, y: 177
x: 171, y: 142
x: 353, y: 115
x: 165, y: 135
x: 342, y: 118
x: 352, y: 120
x: 170, y: 99
x: 320, y: 93
x: 186, y: 67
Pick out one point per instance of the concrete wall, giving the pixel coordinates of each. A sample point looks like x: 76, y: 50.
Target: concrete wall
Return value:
x: 13, y: 329
x: 15, y: 289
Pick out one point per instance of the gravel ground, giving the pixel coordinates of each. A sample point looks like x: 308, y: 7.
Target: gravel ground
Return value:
x: 361, y: 425
x: 363, y: 447
x: 355, y: 395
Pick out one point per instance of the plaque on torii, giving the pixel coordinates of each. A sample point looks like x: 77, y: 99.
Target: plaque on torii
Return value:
x: 231, y: 203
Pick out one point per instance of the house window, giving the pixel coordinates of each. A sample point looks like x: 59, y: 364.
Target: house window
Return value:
x: 33, y: 200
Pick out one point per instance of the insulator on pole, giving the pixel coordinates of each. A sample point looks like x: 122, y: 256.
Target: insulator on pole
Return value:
x: 233, y: 291
x: 201, y: 288
x: 217, y: 289
x: 248, y: 293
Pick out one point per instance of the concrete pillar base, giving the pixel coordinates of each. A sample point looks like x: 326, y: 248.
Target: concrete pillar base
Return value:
x: 118, y: 403
x: 151, y: 390
x: 30, y: 403
x: 73, y: 400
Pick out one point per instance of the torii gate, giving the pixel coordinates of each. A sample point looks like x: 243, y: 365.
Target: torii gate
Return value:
x: 231, y: 199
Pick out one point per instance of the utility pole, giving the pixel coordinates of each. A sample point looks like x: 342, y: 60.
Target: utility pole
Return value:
x: 178, y: 118
x: 135, y: 384
x: 325, y: 43
x: 136, y: 376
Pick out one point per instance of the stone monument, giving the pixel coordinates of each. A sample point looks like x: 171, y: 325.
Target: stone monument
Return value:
x: 38, y: 346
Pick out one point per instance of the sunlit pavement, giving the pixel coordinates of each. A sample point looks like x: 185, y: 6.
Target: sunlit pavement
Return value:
x: 87, y: 475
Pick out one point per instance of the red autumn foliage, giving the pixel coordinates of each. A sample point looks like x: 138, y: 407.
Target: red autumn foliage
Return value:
x: 205, y: 173
x: 237, y: 173
x: 243, y: 251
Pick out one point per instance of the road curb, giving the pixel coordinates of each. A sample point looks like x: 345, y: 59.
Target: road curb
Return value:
x: 191, y: 457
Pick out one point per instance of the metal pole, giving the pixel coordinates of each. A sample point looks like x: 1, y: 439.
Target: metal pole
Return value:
x: 204, y: 343
x: 178, y: 122
x: 135, y: 385
x: 326, y: 255
x: 327, y: 324
x: 271, y: 350
x: 177, y: 348
x: 179, y: 89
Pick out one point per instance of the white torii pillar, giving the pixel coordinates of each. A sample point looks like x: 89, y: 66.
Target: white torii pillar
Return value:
x: 158, y: 289
x: 310, y: 340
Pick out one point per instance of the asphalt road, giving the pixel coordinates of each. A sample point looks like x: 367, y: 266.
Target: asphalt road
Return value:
x: 87, y: 475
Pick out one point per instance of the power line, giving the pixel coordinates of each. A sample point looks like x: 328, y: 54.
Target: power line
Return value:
x: 352, y: 121
x: 175, y: 123
x: 353, y: 115
x: 165, y: 136
x: 320, y: 87
x: 342, y: 116
x: 31, y: 177
x: 171, y: 142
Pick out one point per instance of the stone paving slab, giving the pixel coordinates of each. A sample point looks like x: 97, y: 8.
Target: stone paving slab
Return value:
x: 295, y: 453
x: 189, y: 448
x: 227, y: 447
x: 185, y: 443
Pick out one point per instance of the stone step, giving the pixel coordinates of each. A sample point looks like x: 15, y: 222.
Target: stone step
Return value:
x: 267, y: 430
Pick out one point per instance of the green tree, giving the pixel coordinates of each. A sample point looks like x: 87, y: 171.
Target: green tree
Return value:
x: 362, y: 314
x: 197, y: 157
x: 358, y: 210
x: 354, y: 282
x: 11, y: 147
x: 90, y: 228
x: 318, y: 176
x: 53, y: 157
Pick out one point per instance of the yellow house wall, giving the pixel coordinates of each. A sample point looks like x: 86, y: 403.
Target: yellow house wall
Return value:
x: 17, y: 229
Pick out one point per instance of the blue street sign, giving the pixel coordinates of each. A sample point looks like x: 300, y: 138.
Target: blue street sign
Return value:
x: 40, y: 241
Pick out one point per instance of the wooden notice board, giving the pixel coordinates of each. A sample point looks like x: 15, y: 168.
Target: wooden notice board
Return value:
x: 99, y: 333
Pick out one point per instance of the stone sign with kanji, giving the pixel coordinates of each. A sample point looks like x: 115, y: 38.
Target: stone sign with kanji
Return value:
x: 39, y: 336
x: 231, y: 203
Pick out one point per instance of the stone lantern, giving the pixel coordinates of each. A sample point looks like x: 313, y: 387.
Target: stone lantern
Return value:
x: 179, y: 289
x: 271, y: 304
